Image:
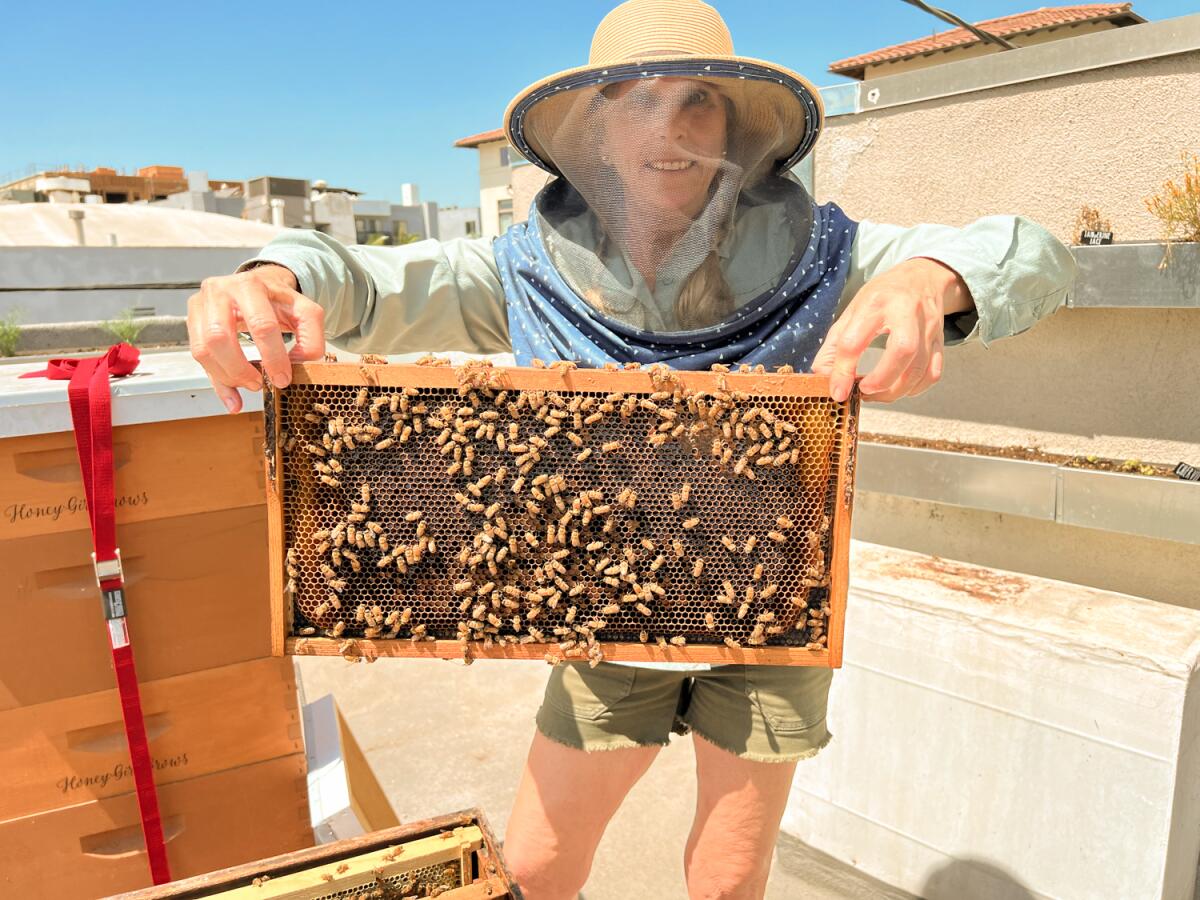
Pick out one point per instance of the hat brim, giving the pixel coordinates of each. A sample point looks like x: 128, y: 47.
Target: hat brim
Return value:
x: 741, y: 67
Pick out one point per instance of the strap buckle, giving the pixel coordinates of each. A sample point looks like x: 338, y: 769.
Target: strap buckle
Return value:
x: 108, y: 569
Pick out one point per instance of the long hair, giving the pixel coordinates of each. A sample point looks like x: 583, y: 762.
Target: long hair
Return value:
x: 705, y: 297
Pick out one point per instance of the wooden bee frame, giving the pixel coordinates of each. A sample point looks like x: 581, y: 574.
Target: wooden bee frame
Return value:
x: 457, y: 852
x: 734, y: 513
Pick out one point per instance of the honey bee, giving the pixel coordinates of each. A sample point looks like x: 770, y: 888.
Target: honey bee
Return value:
x: 679, y: 640
x: 689, y: 524
x: 710, y: 621
x: 583, y: 454
x: 777, y: 537
x: 728, y: 543
x: 751, y: 543
x: 698, y: 567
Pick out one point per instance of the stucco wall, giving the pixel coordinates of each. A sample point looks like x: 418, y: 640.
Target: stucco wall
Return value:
x: 493, y: 186
x: 1111, y: 382
x: 526, y: 182
x: 1107, y: 138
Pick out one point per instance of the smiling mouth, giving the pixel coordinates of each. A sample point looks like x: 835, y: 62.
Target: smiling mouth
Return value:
x: 671, y: 165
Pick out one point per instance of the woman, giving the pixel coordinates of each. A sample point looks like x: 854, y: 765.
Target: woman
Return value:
x: 672, y: 232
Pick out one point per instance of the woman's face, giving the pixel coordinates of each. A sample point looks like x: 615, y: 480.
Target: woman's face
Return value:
x: 665, y: 139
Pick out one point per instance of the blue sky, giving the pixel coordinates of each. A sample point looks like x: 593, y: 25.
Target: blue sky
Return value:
x: 367, y: 95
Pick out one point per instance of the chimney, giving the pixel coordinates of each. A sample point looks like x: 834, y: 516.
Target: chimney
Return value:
x: 197, y: 181
x: 76, y: 216
x: 277, y: 212
x: 409, y: 194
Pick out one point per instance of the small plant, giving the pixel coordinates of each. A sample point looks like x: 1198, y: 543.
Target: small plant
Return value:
x: 1089, y: 219
x: 125, y: 327
x: 10, y: 333
x: 1177, y: 206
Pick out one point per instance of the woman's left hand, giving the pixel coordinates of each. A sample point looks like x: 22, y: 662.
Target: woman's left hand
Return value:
x: 907, y: 303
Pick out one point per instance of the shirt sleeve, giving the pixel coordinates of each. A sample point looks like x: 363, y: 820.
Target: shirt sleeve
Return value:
x: 430, y: 296
x: 1016, y: 271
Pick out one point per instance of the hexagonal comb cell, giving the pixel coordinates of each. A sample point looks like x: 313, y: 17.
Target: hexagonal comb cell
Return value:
x: 651, y: 514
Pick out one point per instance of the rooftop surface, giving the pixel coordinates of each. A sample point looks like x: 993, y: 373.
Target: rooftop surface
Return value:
x: 134, y: 224
x: 441, y: 736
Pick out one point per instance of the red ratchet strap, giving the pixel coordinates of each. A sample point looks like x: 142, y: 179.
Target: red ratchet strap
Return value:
x: 91, y: 413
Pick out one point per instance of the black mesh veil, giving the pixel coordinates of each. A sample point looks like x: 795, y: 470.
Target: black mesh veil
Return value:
x: 670, y: 212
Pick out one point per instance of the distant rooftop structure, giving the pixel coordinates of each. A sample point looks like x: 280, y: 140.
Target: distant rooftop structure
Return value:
x: 1037, y: 26
x: 101, y: 184
x: 484, y: 137
x: 124, y: 225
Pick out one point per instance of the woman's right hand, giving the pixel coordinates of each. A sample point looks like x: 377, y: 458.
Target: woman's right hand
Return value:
x: 264, y: 301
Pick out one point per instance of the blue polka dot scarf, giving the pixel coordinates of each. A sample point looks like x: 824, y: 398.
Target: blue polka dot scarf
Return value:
x: 549, y: 321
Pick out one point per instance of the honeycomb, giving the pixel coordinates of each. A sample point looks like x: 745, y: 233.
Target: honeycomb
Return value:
x: 482, y: 507
x: 428, y: 881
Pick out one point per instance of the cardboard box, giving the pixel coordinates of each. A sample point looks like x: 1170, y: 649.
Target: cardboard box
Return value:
x: 95, y: 849
x: 197, y: 594
x: 345, y: 798
x: 74, y: 750
x: 162, y: 469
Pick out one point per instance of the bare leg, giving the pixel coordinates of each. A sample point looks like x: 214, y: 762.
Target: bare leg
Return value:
x: 563, y: 805
x: 739, y: 803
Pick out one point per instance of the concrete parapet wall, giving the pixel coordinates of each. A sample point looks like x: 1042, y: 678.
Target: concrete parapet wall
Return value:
x: 1003, y: 736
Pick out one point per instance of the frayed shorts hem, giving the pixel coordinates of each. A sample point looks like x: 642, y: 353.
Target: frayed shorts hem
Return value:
x: 773, y: 757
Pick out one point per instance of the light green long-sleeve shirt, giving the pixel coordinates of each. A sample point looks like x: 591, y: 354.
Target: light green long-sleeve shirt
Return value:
x: 436, y: 296
x: 439, y: 296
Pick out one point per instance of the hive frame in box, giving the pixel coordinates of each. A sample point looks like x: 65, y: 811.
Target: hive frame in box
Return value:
x: 340, y: 869
x: 351, y: 378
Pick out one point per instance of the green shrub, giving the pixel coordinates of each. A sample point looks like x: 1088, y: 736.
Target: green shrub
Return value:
x: 124, y: 327
x: 10, y: 333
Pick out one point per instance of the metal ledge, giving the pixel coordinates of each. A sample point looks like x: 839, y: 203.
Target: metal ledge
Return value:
x: 1109, y: 501
x: 1127, y: 276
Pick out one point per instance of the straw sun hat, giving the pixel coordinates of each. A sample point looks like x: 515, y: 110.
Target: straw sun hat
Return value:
x: 683, y: 39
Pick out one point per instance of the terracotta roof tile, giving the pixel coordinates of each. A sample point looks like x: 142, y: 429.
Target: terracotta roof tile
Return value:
x: 484, y: 137
x: 1035, y: 20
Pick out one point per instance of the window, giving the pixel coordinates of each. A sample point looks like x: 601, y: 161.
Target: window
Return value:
x: 505, y: 210
x: 470, y: 229
x: 504, y: 156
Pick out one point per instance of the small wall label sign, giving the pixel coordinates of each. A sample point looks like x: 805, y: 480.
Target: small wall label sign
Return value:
x: 1095, y: 238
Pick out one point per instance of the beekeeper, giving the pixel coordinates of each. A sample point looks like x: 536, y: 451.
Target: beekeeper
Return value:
x: 672, y: 231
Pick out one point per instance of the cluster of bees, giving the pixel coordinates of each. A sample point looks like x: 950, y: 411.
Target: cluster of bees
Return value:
x: 411, y: 887
x: 556, y: 554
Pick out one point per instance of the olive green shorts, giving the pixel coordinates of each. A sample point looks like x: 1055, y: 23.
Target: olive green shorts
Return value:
x: 762, y: 713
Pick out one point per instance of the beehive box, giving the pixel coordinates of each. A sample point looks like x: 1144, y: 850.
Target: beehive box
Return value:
x: 162, y: 469
x: 185, y: 611
x: 424, y: 510
x: 454, y: 857
x: 74, y: 750
x: 96, y: 848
